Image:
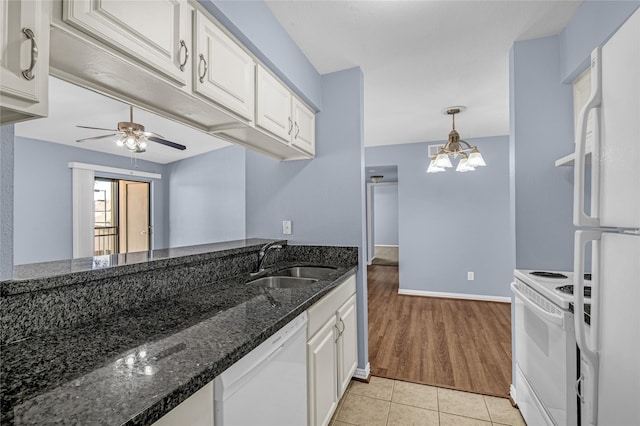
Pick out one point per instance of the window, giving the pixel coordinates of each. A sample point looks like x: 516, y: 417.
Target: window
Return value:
x: 105, y: 216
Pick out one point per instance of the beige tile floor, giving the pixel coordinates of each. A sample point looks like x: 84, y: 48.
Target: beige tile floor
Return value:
x: 386, y: 402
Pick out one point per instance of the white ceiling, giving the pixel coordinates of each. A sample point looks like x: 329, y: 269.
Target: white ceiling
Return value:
x: 71, y: 105
x: 419, y: 57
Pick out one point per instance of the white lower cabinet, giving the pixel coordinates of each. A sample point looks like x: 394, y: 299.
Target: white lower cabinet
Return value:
x: 197, y: 410
x: 322, y: 381
x: 332, y: 351
x: 347, y: 344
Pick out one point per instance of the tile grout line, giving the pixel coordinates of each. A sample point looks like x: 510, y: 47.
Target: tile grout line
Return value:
x: 393, y: 388
x: 487, y: 407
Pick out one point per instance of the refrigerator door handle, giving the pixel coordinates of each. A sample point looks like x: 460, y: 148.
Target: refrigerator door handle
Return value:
x: 580, y: 218
x: 590, y: 355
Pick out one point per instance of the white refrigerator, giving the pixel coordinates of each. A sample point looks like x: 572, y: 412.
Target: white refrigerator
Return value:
x: 609, y: 383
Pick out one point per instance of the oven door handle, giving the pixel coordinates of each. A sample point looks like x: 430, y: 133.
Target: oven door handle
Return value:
x: 550, y: 317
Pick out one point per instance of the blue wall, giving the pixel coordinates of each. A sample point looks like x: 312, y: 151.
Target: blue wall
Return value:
x: 542, y: 132
x: 451, y: 223
x: 42, y: 198
x: 323, y: 197
x: 207, y: 198
x: 255, y: 26
x: 541, y: 73
x: 385, y: 207
x: 6, y: 201
x: 591, y: 26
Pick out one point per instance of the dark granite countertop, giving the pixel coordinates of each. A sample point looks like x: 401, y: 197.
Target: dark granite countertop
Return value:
x: 38, y: 276
x: 133, y: 367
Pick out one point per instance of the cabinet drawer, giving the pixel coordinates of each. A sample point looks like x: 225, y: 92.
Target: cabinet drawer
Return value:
x: 329, y: 305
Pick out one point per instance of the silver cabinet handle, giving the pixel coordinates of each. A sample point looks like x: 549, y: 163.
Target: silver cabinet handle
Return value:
x: 204, y: 73
x: 183, y: 45
x: 343, y: 326
x: 290, y: 126
x: 339, y: 334
x: 297, y: 131
x: 28, y: 73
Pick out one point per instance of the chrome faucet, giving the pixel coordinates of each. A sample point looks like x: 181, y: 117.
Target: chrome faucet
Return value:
x: 275, y: 245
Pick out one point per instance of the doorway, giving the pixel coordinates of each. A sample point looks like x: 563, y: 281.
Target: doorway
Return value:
x: 382, y: 215
x: 121, y: 216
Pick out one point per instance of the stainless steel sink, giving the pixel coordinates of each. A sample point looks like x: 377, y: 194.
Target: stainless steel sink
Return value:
x: 318, y: 272
x: 283, y: 282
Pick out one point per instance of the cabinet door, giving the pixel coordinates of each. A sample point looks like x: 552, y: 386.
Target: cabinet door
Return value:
x: 24, y: 60
x: 347, y: 344
x: 223, y: 71
x: 154, y: 33
x: 304, y: 127
x: 197, y: 410
x: 322, y: 374
x: 274, y: 106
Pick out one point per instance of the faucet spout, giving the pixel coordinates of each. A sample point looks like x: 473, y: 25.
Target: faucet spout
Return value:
x: 262, y: 255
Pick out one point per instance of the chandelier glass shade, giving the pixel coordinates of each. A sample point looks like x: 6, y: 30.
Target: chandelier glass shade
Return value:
x: 470, y: 156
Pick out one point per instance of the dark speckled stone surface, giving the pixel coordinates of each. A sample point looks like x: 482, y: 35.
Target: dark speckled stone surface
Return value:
x: 134, y: 365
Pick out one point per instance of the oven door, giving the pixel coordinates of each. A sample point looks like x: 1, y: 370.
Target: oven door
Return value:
x: 545, y: 357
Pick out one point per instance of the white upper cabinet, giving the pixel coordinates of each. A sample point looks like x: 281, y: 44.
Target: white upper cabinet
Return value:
x: 303, y: 134
x: 24, y: 60
x: 283, y: 115
x: 223, y: 71
x: 274, y: 106
x: 154, y: 33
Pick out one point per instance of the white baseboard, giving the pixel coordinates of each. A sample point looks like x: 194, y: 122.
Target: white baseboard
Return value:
x: 387, y: 245
x: 363, y: 373
x: 512, y: 393
x: 407, y: 292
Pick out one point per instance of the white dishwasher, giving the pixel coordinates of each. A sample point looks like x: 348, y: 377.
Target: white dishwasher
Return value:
x: 268, y: 386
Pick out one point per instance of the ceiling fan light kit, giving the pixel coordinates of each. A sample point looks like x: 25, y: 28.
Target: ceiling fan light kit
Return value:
x: 470, y: 155
x: 132, y: 136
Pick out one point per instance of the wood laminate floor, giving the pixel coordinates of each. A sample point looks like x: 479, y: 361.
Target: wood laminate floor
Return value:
x: 450, y: 343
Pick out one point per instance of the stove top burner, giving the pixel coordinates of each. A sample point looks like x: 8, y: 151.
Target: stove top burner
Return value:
x: 569, y: 289
x: 548, y: 274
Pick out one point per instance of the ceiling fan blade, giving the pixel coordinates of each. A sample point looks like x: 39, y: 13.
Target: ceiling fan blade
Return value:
x: 167, y: 143
x: 98, y: 128
x: 149, y: 134
x: 96, y: 137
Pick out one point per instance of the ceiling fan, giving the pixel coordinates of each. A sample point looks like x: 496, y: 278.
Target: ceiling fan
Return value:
x: 132, y: 136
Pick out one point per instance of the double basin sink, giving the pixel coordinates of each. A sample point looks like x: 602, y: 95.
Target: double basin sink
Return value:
x: 298, y: 276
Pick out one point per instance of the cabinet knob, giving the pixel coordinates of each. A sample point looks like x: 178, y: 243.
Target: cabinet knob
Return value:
x: 28, y: 73
x: 183, y: 45
x: 204, y: 72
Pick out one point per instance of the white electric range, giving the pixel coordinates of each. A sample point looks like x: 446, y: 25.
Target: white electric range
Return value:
x: 546, y: 360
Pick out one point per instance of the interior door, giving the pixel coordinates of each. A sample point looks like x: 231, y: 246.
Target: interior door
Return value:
x: 134, y: 216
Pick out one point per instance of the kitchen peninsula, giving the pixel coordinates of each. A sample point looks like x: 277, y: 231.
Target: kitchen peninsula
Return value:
x: 125, y: 339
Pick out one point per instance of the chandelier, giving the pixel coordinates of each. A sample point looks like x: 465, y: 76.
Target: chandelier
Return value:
x: 470, y: 156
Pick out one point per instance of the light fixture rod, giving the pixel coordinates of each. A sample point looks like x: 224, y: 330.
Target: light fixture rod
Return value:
x: 131, y: 113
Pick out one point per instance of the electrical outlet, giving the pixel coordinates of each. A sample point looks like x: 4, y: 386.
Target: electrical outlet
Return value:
x: 286, y: 227
x: 470, y: 276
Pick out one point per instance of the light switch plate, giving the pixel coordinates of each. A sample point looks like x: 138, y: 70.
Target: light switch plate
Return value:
x: 286, y: 227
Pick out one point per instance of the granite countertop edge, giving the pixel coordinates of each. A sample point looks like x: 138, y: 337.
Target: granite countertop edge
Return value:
x: 37, y: 283
x: 181, y: 393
